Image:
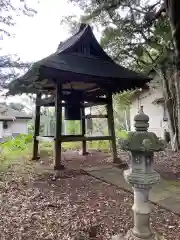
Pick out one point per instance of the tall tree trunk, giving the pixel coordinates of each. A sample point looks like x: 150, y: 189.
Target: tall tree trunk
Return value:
x: 169, y: 93
x: 172, y: 9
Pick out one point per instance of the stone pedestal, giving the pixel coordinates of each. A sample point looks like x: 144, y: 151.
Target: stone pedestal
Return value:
x: 130, y: 236
x: 142, y: 176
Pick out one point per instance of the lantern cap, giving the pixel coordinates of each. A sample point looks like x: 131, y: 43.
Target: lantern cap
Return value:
x: 141, y: 140
x: 141, y: 120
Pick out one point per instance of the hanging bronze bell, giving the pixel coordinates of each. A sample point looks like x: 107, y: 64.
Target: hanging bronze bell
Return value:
x: 73, y: 107
x: 72, y: 111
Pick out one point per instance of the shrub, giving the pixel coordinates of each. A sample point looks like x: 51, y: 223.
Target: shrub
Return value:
x: 121, y: 134
x: 13, y: 149
x: 18, y: 143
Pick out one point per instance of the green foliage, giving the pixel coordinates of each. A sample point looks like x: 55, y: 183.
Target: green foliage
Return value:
x: 123, y: 100
x: 121, y: 134
x: 18, y: 143
x: 13, y: 150
x: 73, y: 127
x: 102, y: 145
x: 31, y: 127
x: 128, y: 33
x: 121, y: 106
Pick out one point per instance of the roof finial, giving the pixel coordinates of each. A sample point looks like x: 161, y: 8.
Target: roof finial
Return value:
x: 141, y: 109
x: 82, y: 26
x: 60, y: 44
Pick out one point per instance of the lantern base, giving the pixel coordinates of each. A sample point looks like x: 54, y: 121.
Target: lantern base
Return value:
x: 130, y: 236
x: 118, y: 162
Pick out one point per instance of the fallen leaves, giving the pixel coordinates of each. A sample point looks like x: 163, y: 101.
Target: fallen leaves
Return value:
x: 69, y: 204
x: 167, y: 163
x: 67, y: 207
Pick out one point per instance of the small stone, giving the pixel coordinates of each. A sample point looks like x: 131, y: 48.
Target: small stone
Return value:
x: 118, y: 237
x: 170, y: 227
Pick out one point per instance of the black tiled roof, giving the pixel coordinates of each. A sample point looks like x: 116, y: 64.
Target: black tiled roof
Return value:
x: 82, y: 54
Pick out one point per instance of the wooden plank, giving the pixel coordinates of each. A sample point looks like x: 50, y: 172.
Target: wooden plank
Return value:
x: 36, y: 129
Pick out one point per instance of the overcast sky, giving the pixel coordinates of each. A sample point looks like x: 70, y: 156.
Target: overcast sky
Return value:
x: 39, y: 36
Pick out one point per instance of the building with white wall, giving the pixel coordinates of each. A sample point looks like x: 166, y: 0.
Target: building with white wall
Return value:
x: 153, y: 104
x: 12, y: 122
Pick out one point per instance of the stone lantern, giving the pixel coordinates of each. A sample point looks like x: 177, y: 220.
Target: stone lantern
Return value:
x: 141, y: 175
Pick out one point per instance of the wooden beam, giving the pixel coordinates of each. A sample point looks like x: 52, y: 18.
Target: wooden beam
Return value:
x: 111, y: 127
x: 51, y: 102
x: 74, y: 138
x: 100, y: 100
x: 78, y: 139
x: 58, y: 138
x: 87, y: 104
x: 96, y: 116
x: 36, y: 129
x: 69, y: 135
x: 91, y: 104
x: 83, y: 130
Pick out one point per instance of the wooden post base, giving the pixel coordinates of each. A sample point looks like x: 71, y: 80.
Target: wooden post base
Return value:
x: 85, y: 153
x: 59, y: 167
x: 35, y: 158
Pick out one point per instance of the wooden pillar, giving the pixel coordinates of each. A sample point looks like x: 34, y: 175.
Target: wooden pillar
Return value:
x: 83, y: 130
x: 36, y: 128
x: 111, y: 127
x: 58, y: 133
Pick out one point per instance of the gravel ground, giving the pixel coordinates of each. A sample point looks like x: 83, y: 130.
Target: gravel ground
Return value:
x: 40, y: 208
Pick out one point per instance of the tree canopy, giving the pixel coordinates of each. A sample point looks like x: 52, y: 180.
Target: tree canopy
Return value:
x: 135, y: 33
x: 143, y: 35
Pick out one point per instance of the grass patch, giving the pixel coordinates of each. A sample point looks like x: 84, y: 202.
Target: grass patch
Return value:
x: 103, y: 145
x: 20, y: 148
x: 121, y: 134
x: 13, y: 150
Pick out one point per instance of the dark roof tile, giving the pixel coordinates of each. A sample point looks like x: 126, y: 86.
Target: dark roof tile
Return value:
x: 82, y: 54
